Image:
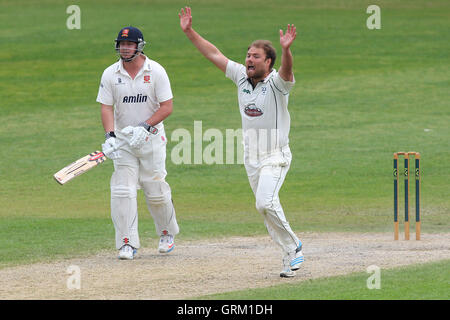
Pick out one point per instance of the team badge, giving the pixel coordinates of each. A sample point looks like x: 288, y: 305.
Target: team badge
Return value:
x: 119, y: 81
x: 252, y: 111
x: 146, y: 79
x: 125, y: 32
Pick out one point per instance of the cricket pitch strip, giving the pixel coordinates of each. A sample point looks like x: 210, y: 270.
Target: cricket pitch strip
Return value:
x: 197, y: 268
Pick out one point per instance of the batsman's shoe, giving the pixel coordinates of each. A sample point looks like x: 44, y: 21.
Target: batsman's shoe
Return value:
x: 297, y: 258
x: 287, y: 272
x: 127, y: 252
x: 166, y: 243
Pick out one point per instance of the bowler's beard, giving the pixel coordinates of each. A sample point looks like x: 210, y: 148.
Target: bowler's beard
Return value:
x: 255, y: 74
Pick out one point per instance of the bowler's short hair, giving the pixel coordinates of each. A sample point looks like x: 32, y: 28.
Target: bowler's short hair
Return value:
x: 268, y: 48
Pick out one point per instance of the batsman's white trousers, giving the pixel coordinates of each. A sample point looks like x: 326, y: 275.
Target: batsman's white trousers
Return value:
x: 141, y: 169
x: 266, y: 174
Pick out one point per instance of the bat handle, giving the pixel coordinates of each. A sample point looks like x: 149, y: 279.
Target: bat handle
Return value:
x: 120, y: 145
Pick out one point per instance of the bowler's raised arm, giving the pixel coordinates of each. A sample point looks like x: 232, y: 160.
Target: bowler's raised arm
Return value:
x: 206, y: 48
x: 286, y: 40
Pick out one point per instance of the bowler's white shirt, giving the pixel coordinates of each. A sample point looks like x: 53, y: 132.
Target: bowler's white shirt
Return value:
x: 134, y: 100
x: 264, y: 108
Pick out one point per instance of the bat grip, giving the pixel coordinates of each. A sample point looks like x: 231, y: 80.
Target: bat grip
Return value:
x: 120, y: 145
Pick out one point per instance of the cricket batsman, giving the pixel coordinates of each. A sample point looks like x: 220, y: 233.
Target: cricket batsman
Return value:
x: 263, y: 99
x: 135, y: 97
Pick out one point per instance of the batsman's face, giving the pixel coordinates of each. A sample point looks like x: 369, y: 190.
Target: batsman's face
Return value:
x: 127, y: 48
x: 256, y: 63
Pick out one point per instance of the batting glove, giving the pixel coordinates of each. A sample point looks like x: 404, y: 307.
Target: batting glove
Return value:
x: 109, y: 148
x: 140, y: 134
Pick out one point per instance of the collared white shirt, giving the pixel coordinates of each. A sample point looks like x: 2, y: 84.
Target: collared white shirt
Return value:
x: 263, y: 109
x: 134, y: 100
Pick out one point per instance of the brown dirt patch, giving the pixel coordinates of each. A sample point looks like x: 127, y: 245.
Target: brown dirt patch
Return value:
x: 197, y: 268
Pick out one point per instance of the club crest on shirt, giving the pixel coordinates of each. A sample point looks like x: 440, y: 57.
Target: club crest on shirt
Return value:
x: 119, y: 81
x: 252, y: 111
x: 263, y: 90
x: 146, y: 79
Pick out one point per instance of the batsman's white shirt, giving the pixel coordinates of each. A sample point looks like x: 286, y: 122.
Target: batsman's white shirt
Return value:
x: 134, y: 100
x: 263, y: 108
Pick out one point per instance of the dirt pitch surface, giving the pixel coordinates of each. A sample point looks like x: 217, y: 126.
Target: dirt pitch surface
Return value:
x: 216, y: 265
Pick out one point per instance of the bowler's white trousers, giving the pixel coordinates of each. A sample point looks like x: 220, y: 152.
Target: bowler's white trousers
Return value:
x: 266, y: 174
x: 135, y: 169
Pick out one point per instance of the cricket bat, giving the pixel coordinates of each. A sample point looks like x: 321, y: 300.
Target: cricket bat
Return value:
x: 79, y: 167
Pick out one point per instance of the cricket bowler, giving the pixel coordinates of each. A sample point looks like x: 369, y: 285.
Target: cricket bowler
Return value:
x: 263, y: 95
x: 135, y: 97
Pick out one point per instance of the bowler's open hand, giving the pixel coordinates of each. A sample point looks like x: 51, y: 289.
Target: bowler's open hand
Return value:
x: 185, y: 19
x: 289, y: 37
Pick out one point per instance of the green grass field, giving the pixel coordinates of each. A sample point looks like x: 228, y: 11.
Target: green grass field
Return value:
x: 360, y: 96
x: 420, y: 282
